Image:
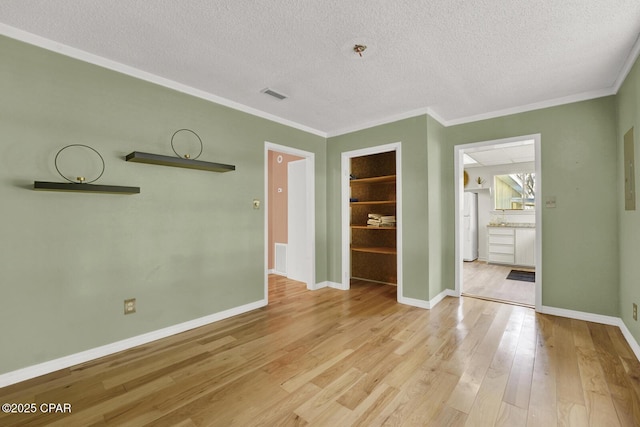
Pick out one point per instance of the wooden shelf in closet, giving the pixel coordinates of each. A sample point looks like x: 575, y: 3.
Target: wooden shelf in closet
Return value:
x: 374, y: 202
x: 375, y: 250
x: 369, y: 227
x: 386, y: 179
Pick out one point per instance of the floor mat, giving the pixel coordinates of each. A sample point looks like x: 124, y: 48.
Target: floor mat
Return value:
x: 523, y: 276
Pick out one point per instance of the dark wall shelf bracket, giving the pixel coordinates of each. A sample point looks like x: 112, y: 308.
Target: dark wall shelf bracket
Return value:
x: 84, y: 188
x: 156, y: 159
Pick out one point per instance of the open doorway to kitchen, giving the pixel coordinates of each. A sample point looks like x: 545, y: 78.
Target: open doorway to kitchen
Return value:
x: 498, y: 231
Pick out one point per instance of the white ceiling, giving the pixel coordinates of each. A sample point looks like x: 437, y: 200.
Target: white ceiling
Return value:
x: 458, y: 60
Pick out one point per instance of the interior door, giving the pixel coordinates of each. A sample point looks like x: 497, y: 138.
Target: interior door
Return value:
x: 298, y: 250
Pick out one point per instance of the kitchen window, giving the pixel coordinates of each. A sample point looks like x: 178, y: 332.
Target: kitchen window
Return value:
x: 515, y: 191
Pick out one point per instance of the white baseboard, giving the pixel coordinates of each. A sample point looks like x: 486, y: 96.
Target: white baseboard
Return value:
x: 336, y: 285
x: 581, y: 315
x: 105, y: 350
x: 95, y: 353
x: 414, y: 302
x: 632, y: 342
x: 317, y: 286
x: 427, y: 304
x: 277, y: 273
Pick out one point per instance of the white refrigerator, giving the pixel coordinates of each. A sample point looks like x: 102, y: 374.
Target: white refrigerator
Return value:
x: 470, y: 227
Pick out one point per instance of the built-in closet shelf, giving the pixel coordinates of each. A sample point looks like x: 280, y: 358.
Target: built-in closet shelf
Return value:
x: 375, y: 202
x: 387, y: 179
x: 157, y: 159
x: 372, y: 197
x: 84, y: 188
x: 375, y: 250
x: 371, y: 227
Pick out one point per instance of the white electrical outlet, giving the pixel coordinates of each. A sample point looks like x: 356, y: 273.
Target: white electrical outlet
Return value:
x: 130, y: 306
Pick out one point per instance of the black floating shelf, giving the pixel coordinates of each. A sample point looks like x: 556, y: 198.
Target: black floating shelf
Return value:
x: 156, y: 159
x: 84, y: 188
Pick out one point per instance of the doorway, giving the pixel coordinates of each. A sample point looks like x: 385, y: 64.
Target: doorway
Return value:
x: 372, y: 216
x: 501, y: 180
x: 289, y: 204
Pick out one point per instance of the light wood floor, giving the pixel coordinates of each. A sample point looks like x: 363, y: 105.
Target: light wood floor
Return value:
x: 341, y: 358
x: 490, y: 281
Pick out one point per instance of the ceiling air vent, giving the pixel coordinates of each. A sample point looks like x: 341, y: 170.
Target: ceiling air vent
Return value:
x: 274, y: 94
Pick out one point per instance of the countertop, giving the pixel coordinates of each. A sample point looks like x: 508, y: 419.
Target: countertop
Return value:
x: 513, y: 225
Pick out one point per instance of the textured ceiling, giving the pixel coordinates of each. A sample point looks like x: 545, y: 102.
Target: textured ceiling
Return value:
x: 457, y: 59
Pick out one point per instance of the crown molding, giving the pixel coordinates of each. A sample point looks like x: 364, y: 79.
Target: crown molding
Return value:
x: 378, y: 122
x: 628, y: 64
x: 81, y: 55
x: 585, y: 96
x: 72, y: 52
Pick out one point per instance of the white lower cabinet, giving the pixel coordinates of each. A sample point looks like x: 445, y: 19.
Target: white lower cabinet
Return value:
x: 508, y: 245
x: 501, y: 245
x: 526, y: 246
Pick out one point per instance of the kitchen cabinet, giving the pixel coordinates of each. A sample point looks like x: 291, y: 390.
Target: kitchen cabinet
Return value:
x: 525, y: 247
x: 501, y: 242
x: 511, y: 245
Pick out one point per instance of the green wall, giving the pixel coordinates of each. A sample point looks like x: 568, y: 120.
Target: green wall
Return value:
x: 412, y: 134
x: 628, y: 107
x: 579, y: 168
x: 188, y: 246
x: 441, y: 246
x: 191, y: 245
x: 579, y: 236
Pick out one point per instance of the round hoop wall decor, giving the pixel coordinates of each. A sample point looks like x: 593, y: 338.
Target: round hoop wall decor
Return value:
x: 79, y: 179
x: 185, y: 156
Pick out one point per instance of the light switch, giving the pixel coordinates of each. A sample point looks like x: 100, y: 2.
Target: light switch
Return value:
x: 550, y: 202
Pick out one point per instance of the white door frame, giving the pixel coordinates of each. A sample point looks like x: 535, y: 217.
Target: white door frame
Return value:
x: 311, y: 210
x: 346, y: 218
x: 459, y: 206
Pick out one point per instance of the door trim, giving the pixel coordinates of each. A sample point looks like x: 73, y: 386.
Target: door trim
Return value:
x: 459, y: 191
x: 309, y: 157
x: 346, y: 220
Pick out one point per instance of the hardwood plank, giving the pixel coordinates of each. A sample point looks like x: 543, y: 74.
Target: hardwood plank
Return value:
x: 315, y: 407
x: 568, y: 381
x: 464, y: 395
x: 518, y: 387
x: 486, y: 407
x: 282, y: 412
x: 511, y: 415
x: 306, y: 376
x: 373, y: 406
x: 572, y: 414
x: 447, y: 416
x: 597, y: 398
x: 355, y: 357
x: 620, y: 384
x: 581, y: 334
x: 543, y: 411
